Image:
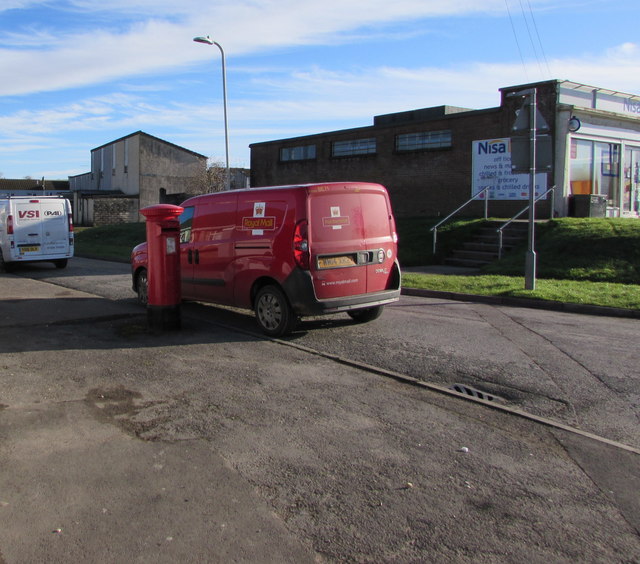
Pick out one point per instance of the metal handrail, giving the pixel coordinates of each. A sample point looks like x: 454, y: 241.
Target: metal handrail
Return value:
x: 507, y: 223
x: 472, y: 199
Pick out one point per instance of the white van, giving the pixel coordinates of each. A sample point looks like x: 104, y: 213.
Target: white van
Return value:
x: 35, y: 228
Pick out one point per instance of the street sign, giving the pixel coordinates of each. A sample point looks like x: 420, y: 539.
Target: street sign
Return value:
x: 522, y: 124
x: 521, y: 154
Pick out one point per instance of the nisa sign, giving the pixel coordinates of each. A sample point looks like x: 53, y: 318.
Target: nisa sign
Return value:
x: 632, y: 106
x: 493, y: 147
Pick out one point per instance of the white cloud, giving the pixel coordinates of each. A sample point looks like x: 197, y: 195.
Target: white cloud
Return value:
x: 318, y: 98
x: 112, y: 47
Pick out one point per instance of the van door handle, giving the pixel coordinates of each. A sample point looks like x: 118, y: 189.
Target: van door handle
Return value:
x: 190, y: 256
x: 197, y: 256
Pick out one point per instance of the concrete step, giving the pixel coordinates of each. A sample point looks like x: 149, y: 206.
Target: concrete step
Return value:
x: 486, y: 247
x: 487, y: 256
x: 467, y: 263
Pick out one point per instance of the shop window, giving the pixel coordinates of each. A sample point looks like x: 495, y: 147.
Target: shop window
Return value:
x: 353, y: 147
x: 300, y: 153
x: 595, y: 169
x: 423, y: 140
x: 581, y: 166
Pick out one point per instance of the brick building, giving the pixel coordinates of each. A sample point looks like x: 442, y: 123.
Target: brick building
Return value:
x: 432, y: 160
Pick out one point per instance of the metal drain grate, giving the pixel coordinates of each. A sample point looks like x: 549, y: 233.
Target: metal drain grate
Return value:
x: 468, y: 391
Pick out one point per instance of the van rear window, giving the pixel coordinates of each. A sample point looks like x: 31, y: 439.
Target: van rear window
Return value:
x: 336, y: 217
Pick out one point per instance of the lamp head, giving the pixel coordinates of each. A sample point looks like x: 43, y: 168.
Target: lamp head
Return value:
x: 207, y: 40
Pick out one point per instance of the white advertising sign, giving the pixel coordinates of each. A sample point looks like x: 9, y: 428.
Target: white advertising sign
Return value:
x: 491, y: 167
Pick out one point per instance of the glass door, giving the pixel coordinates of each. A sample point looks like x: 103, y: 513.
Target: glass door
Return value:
x: 631, y: 190
x: 607, y: 172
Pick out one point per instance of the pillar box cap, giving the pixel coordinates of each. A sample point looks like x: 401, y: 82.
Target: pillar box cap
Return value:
x: 161, y: 212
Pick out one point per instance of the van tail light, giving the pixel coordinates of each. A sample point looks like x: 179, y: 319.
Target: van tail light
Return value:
x: 70, y: 223
x: 301, y: 245
x: 10, y: 225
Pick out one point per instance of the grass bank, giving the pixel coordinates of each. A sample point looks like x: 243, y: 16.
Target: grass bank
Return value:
x: 579, y: 260
x: 109, y: 242
x: 609, y: 294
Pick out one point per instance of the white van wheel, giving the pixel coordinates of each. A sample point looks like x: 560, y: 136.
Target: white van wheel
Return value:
x: 5, y: 266
x: 366, y: 315
x: 142, y: 287
x: 60, y: 263
x: 273, y: 312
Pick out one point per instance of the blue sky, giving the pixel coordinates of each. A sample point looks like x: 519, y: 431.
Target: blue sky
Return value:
x: 79, y: 73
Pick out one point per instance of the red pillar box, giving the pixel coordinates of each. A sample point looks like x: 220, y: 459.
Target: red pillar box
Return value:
x: 163, y: 265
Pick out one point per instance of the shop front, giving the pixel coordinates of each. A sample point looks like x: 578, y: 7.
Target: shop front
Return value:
x: 603, y: 150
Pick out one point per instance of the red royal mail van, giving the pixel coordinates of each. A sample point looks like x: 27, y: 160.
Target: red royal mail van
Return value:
x: 287, y: 252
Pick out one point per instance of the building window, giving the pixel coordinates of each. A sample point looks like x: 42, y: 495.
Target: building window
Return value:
x: 353, y: 147
x: 301, y: 153
x: 423, y: 140
x: 595, y: 169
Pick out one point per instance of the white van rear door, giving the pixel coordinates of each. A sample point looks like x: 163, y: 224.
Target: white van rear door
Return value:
x: 55, y: 227
x: 27, y: 221
x: 41, y: 227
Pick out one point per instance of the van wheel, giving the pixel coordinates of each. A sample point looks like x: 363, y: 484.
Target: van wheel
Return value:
x: 366, y: 315
x: 61, y: 263
x: 273, y: 312
x: 142, y: 286
x: 5, y: 266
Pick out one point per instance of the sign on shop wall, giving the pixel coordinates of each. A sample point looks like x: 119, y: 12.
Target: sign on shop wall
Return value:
x: 491, y: 167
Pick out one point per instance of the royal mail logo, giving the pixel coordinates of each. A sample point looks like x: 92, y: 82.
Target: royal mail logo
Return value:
x: 263, y: 223
x: 334, y: 221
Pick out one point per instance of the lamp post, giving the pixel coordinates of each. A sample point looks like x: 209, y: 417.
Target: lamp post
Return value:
x: 208, y: 41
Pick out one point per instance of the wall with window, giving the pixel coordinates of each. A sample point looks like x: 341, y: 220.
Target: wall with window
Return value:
x: 423, y: 158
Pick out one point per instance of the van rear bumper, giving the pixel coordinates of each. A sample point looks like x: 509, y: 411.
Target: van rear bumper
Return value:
x: 299, y: 290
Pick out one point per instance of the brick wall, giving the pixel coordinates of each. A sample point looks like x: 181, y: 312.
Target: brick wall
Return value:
x: 420, y: 183
x: 109, y: 211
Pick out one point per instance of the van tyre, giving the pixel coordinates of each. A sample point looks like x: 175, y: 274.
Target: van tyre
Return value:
x: 142, y: 286
x: 366, y: 315
x: 273, y: 312
x: 5, y: 266
x: 60, y: 263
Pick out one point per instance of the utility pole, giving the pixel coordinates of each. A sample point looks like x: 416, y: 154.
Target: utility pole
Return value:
x: 525, y: 158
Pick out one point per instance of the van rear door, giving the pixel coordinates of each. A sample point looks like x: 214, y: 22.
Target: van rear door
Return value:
x: 349, y: 226
x: 55, y: 227
x: 27, y: 228
x: 41, y: 228
x: 380, y: 239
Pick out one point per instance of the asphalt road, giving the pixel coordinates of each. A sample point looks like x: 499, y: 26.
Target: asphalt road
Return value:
x: 202, y: 445
x: 580, y: 370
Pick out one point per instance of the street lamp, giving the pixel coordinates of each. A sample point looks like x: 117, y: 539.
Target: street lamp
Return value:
x: 208, y: 41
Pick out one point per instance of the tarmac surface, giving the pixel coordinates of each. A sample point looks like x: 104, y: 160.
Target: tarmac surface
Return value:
x: 266, y: 454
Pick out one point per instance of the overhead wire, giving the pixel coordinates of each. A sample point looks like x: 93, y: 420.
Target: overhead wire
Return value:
x: 515, y: 36
x: 535, y: 26
x: 533, y: 46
